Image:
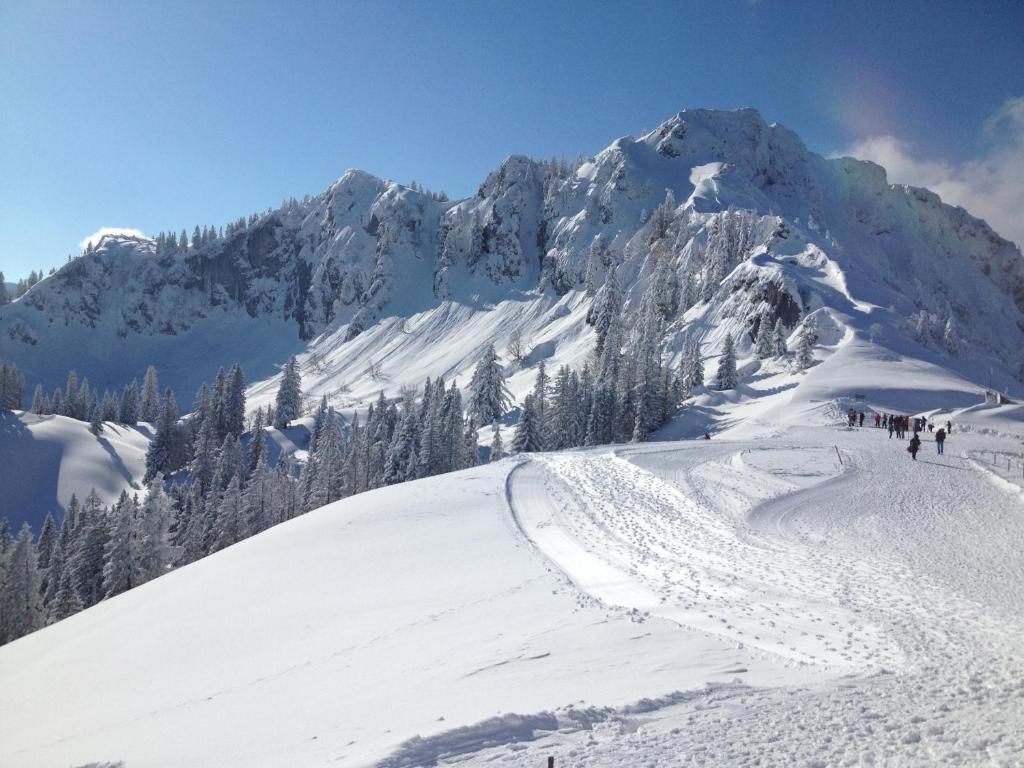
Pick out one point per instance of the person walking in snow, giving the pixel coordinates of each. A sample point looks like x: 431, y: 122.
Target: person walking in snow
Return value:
x: 878, y: 420
x: 940, y: 440
x: 949, y: 427
x: 915, y: 446
x: 851, y: 416
x: 892, y: 426
x: 861, y: 424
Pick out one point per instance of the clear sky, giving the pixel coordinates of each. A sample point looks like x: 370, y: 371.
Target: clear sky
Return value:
x: 161, y: 116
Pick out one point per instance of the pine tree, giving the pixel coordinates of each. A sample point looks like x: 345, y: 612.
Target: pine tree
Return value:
x: 258, y: 441
x: 489, y: 398
x: 39, y: 400
x: 726, y: 377
x: 66, y: 601
x: 152, y: 552
x: 20, y: 603
x: 160, y: 456
x: 149, y: 404
x: 45, y: 546
x: 117, y: 554
x: 764, y: 345
x: 229, y: 516
x: 779, y: 348
x: 129, y: 411
x: 497, y: 449
x: 234, y: 401
x: 805, y: 345
x: 288, y: 404
x: 204, y: 453
x: 606, y: 308
x: 401, y: 458
x: 257, y: 499
x: 527, y: 438
x: 540, y: 404
x: 90, y: 540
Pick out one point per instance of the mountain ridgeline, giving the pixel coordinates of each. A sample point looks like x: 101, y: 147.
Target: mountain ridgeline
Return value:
x: 737, y: 221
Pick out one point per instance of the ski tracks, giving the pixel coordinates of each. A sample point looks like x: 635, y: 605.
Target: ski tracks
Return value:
x: 632, y: 539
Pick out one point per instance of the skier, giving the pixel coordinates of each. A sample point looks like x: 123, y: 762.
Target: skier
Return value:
x: 707, y: 436
x: 949, y: 427
x: 851, y: 416
x: 878, y: 420
x: 861, y: 424
x: 892, y: 426
x: 915, y: 446
x: 940, y: 439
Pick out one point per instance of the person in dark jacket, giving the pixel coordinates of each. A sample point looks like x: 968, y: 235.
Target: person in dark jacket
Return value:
x: 940, y: 440
x: 892, y: 426
x: 915, y: 446
x: 861, y: 417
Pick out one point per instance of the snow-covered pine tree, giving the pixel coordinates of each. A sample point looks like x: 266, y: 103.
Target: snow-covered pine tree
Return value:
x: 234, y: 401
x: 665, y: 288
x: 527, y: 437
x: 45, y: 546
x: 152, y: 552
x: 606, y: 308
x: 646, y: 353
x: 764, y: 345
x: 39, y: 400
x: 726, y: 377
x: 90, y: 540
x: 228, y: 516
x: 218, y: 406
x: 330, y: 478
x: 779, y: 348
x: 540, y: 403
x: 497, y: 448
x: 204, y: 456
x: 596, y: 258
x: 258, y: 441
x: 489, y: 398
x: 606, y: 406
x: 257, y: 498
x: 109, y: 406
x: 149, y: 403
x: 288, y: 404
x: 401, y: 456
x: 21, y: 609
x: 805, y: 345
x: 160, y: 456
x: 117, y: 554
x: 129, y: 410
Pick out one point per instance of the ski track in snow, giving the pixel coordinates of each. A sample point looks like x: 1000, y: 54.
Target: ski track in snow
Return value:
x: 900, y: 581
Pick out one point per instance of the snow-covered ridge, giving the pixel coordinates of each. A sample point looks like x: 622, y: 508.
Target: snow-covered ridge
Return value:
x: 748, y: 223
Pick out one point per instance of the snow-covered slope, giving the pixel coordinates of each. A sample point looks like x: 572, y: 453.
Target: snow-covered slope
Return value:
x: 812, y: 598
x: 372, y: 271
x: 44, y: 460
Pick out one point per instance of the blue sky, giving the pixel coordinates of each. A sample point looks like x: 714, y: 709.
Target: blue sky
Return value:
x: 161, y: 116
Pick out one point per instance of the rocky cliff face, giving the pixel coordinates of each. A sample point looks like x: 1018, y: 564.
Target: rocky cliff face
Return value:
x: 734, y: 219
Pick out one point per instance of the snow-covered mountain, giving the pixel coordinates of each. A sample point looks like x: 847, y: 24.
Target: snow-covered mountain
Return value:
x: 735, y: 218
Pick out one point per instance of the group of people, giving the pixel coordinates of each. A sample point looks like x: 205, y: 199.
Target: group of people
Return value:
x: 900, y: 425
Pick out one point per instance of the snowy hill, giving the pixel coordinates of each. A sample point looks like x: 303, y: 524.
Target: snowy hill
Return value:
x: 47, y: 459
x: 380, y: 285
x: 813, y: 597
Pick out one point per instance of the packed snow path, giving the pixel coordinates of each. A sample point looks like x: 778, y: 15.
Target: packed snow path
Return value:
x: 905, y: 576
